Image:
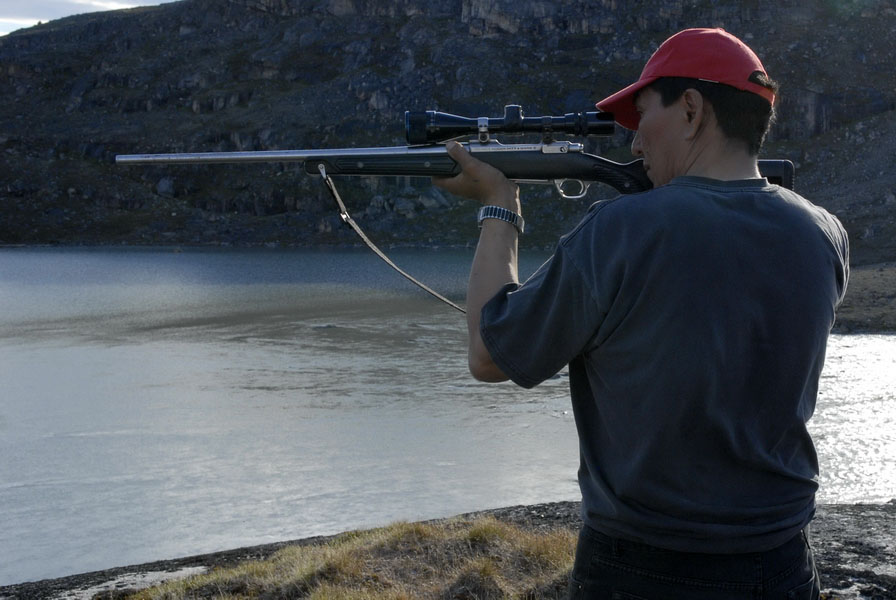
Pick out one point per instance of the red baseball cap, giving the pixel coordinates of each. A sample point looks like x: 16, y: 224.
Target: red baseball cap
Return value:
x: 710, y: 54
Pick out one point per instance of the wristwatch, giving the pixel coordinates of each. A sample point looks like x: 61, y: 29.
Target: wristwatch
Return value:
x: 502, y: 214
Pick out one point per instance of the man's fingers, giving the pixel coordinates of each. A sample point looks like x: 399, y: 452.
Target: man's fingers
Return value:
x: 469, y: 165
x: 454, y: 183
x: 458, y: 153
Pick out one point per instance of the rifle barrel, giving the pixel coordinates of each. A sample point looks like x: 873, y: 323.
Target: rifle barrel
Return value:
x: 273, y: 155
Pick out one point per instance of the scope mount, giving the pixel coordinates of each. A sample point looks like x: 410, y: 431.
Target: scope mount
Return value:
x: 427, y: 127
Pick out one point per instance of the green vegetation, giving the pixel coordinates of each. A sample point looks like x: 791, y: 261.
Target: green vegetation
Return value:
x: 483, y: 558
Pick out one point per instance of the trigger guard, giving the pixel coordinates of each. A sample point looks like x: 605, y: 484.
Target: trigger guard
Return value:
x: 583, y: 188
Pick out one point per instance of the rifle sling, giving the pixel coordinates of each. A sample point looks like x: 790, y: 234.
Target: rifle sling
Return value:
x: 347, y: 218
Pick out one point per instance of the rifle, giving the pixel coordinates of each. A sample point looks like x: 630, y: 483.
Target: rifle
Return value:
x: 561, y: 162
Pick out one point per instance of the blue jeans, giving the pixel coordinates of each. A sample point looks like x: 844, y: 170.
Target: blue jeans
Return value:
x: 614, y: 569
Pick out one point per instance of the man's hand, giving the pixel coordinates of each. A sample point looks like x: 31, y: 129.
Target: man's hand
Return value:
x: 479, y: 181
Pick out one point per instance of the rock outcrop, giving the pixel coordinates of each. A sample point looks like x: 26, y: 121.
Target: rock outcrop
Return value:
x: 206, y: 75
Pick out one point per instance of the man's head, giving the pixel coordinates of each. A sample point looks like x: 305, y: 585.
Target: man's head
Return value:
x: 708, y: 74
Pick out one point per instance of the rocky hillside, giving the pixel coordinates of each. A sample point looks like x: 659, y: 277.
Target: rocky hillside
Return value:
x: 204, y: 75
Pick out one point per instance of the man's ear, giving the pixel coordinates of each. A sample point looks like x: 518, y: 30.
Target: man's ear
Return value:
x: 695, y: 111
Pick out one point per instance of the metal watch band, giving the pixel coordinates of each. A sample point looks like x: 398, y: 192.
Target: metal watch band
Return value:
x: 502, y: 214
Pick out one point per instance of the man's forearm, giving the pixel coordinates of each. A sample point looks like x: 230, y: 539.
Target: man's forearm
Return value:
x: 494, y: 266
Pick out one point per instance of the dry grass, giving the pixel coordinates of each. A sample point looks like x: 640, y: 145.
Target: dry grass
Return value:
x: 456, y: 559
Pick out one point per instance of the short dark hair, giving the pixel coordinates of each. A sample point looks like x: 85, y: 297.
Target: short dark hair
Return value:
x: 742, y: 115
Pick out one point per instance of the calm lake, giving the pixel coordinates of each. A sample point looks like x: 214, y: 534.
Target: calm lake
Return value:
x: 158, y: 403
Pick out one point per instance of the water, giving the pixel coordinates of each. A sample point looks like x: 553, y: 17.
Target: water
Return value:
x: 156, y: 404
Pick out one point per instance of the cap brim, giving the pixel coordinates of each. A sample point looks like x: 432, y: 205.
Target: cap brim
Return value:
x: 622, y: 104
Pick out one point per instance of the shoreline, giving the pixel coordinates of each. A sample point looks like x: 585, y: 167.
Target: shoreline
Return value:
x: 869, y: 306
x: 855, y: 548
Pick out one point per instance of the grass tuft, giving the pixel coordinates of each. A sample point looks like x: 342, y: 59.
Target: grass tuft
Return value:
x: 450, y: 560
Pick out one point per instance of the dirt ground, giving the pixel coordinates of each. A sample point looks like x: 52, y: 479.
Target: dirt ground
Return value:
x: 870, y: 303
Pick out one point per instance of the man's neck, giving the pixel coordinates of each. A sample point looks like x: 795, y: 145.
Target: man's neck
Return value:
x: 721, y: 158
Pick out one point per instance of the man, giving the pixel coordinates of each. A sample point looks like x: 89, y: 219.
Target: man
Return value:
x: 694, y: 319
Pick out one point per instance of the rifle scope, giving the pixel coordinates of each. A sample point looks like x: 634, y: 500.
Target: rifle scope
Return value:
x: 423, y: 127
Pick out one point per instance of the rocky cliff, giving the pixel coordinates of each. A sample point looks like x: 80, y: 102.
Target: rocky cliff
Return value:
x: 205, y: 75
